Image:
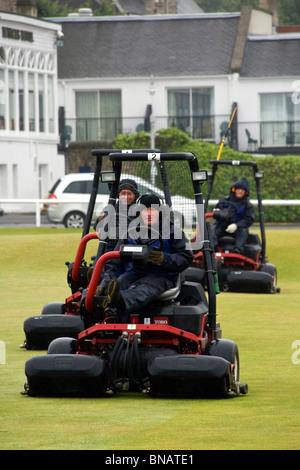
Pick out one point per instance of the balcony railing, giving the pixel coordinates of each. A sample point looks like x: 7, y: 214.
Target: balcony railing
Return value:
x: 254, y: 137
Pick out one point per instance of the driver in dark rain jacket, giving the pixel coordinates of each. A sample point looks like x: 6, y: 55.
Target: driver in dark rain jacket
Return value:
x: 129, y: 286
x: 234, y: 215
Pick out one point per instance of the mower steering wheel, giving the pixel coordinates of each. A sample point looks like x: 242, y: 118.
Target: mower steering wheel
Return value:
x: 222, y: 203
x: 146, y: 241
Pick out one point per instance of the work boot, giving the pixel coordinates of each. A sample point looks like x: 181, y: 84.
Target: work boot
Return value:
x: 89, y: 274
x: 110, y: 312
x: 113, y: 297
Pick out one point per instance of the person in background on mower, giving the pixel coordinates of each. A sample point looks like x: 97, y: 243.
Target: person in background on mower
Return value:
x: 129, y: 286
x: 128, y: 194
x: 234, y: 215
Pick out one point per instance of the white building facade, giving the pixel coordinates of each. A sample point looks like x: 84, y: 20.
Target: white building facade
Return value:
x: 191, y: 69
x: 29, y: 160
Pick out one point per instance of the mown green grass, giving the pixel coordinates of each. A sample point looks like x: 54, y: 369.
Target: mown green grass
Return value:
x: 264, y: 326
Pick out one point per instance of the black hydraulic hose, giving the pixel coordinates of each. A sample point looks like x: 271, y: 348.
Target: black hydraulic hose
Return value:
x: 131, y: 375
x: 113, y: 366
x: 125, y: 358
x: 135, y: 358
x: 138, y: 362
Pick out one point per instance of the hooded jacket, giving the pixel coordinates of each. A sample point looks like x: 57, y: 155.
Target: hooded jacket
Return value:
x: 241, y: 209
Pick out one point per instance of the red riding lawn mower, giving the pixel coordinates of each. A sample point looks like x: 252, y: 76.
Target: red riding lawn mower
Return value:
x: 172, y: 347
x: 59, y: 319
x: 249, y: 272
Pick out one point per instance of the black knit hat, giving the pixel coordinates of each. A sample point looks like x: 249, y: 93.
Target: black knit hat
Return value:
x: 148, y: 200
x: 129, y: 184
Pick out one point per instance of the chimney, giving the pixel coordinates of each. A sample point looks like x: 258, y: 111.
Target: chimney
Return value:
x: 272, y: 6
x: 241, y: 39
x: 27, y: 7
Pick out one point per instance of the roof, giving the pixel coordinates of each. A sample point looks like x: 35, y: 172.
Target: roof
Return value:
x: 179, y: 45
x: 140, y: 46
x: 273, y: 56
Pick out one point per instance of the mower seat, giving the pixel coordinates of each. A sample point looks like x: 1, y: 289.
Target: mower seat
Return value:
x: 170, y: 294
x: 226, y: 243
x: 189, y: 274
x: 252, y: 246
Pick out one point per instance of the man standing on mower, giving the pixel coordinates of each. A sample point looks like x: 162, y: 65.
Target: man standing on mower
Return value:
x: 234, y: 215
x: 129, y: 286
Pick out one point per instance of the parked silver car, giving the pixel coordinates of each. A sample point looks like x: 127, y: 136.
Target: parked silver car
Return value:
x: 73, y: 192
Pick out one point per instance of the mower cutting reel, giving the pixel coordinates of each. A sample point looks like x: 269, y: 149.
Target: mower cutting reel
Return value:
x: 171, y: 347
x: 250, y: 271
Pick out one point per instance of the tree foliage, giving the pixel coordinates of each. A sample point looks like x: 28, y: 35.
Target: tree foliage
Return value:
x: 288, y: 10
x: 51, y: 9
x: 56, y: 8
x: 214, y: 6
x: 281, y: 173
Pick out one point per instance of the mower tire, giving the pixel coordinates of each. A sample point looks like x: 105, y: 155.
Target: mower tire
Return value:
x: 228, y: 350
x: 63, y: 345
x: 272, y: 271
x: 54, y: 308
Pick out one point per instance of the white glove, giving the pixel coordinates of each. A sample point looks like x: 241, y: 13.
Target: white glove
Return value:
x: 231, y: 228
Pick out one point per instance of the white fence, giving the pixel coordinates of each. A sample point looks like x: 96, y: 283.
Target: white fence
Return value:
x: 37, y: 204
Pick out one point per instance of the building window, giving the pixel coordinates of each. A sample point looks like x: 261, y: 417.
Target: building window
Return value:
x: 43, y: 179
x: 50, y: 104
x: 192, y: 110
x: 28, y: 92
x: 12, y: 101
x: 280, y: 120
x: 21, y: 100
x: 98, y: 115
x: 41, y: 104
x: 2, y: 100
x: 3, y: 180
x: 31, y: 102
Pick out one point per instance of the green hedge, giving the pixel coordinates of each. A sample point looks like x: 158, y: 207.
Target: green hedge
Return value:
x: 281, y: 173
